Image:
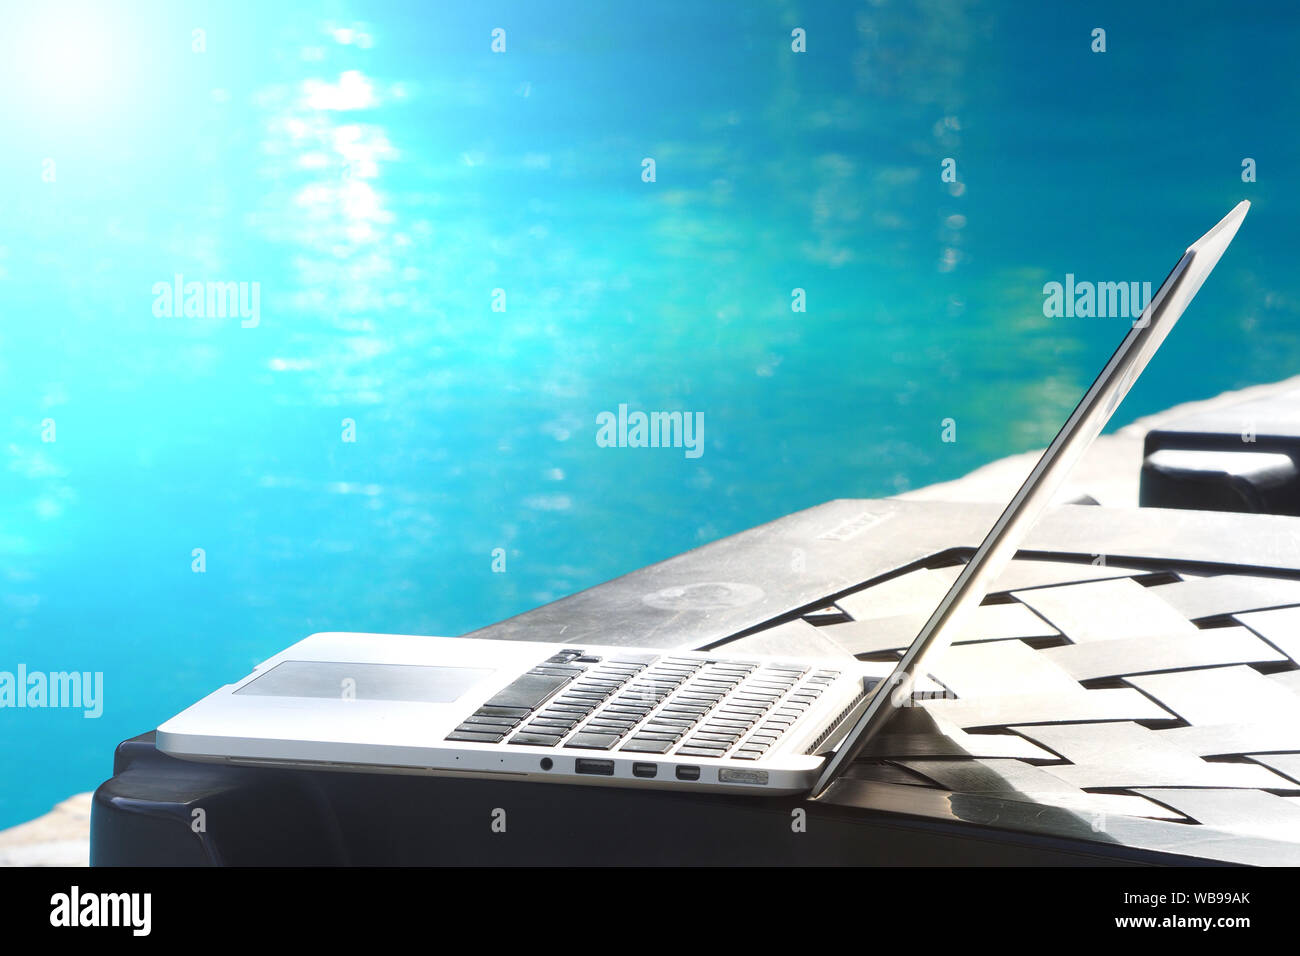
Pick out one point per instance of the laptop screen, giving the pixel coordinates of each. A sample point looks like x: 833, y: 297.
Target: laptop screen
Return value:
x: 1080, y: 429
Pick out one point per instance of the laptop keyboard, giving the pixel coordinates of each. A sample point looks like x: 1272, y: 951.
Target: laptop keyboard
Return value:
x: 648, y: 703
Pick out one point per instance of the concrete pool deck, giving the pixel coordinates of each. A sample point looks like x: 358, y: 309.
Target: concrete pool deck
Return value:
x: 1108, y: 474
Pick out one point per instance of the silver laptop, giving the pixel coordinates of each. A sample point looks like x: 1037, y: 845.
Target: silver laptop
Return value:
x: 627, y: 716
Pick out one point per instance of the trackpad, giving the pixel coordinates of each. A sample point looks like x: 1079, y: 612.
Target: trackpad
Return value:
x: 406, y: 682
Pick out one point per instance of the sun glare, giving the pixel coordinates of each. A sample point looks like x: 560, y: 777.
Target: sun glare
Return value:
x: 69, y: 57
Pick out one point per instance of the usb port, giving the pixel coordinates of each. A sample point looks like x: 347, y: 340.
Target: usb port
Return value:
x: 645, y: 770
x: 688, y: 773
x: 604, y: 768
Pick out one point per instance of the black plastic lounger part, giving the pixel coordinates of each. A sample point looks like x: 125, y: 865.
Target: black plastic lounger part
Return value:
x: 1238, y: 457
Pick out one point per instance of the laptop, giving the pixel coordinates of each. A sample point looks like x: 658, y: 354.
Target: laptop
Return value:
x: 614, y: 715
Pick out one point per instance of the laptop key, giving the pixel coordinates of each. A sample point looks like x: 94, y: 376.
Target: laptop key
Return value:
x: 652, y: 730
x: 723, y: 745
x: 685, y: 751
x: 535, y: 740
x: 472, y: 736
x: 527, y: 691
x: 596, y: 727
x: 551, y: 671
x: 492, y: 711
x: 588, y: 741
x: 647, y: 745
x: 726, y: 713
x: 550, y: 726
x: 503, y: 722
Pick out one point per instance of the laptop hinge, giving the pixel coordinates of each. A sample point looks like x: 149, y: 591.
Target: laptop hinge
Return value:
x: 831, y: 737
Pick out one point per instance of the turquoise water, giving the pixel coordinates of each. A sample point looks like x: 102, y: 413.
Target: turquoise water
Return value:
x: 378, y: 171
